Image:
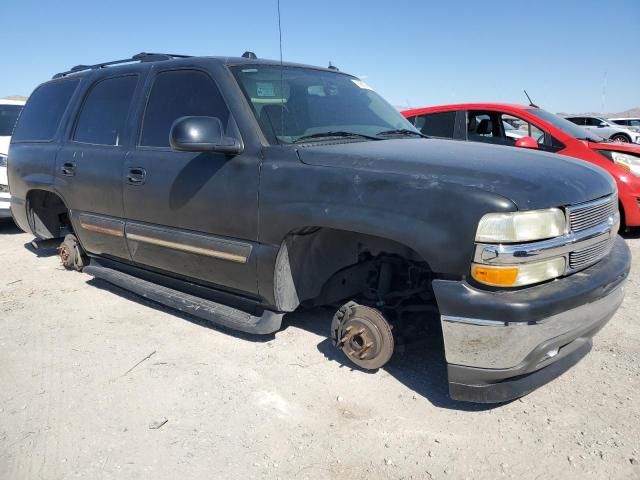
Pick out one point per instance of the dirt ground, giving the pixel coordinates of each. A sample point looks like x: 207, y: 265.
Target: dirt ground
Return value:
x: 87, y: 371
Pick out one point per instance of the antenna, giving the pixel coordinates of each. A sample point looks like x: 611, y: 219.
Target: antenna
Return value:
x: 281, y: 72
x: 531, y: 104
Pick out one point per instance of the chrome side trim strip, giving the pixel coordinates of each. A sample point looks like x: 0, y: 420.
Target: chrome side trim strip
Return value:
x: 196, y: 243
x: 101, y: 224
x: 187, y: 248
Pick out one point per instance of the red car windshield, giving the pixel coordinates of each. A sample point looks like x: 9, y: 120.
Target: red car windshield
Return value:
x: 565, y: 125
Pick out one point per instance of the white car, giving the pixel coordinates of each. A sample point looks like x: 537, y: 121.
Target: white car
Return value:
x: 606, y: 129
x: 9, y: 112
x: 632, y: 123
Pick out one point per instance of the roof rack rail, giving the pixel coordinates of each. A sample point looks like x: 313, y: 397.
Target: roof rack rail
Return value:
x: 140, y: 57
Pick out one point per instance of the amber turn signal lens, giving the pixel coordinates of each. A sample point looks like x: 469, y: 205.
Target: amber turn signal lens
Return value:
x: 495, y: 276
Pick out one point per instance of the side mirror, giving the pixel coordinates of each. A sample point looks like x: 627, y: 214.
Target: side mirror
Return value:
x: 202, y: 134
x: 602, y: 124
x: 527, y: 142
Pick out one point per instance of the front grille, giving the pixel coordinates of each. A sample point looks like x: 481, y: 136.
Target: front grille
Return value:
x: 583, y: 217
x: 587, y: 256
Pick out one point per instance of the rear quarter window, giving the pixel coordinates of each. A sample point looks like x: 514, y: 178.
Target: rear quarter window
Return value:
x: 8, y: 116
x: 42, y: 114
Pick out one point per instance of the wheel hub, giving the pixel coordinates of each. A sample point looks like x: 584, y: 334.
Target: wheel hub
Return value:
x: 64, y: 253
x: 360, y: 339
x: 363, y: 335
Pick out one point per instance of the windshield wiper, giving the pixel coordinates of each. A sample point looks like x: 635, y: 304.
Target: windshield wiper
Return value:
x: 337, y: 134
x: 402, y: 131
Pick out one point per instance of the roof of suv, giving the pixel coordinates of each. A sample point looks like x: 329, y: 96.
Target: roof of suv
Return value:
x: 248, y: 58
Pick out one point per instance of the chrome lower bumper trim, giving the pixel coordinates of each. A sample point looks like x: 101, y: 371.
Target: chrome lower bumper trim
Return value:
x: 485, y: 343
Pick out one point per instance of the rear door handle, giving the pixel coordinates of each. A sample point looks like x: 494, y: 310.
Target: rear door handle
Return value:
x: 136, y: 176
x: 68, y: 169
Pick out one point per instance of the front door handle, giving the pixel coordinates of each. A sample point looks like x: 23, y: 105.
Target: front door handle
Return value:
x: 68, y: 169
x: 136, y: 176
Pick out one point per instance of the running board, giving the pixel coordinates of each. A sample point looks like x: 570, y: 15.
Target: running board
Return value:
x: 208, y: 310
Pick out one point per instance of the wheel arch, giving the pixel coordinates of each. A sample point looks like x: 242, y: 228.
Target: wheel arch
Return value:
x: 620, y: 134
x: 309, y: 256
x: 47, y: 214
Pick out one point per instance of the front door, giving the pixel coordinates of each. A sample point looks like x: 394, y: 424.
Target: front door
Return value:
x: 89, y: 166
x: 191, y: 215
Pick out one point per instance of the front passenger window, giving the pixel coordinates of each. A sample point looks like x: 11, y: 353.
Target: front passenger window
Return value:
x: 175, y: 94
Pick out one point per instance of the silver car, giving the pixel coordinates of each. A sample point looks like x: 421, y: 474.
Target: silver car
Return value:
x: 606, y: 129
x: 632, y: 123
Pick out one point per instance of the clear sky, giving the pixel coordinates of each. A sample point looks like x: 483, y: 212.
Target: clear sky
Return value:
x: 415, y: 53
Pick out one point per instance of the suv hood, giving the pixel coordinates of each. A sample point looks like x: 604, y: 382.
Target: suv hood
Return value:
x: 530, y: 179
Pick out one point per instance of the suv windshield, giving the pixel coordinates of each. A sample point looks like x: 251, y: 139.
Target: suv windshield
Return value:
x: 8, y: 117
x: 294, y: 104
x: 565, y: 125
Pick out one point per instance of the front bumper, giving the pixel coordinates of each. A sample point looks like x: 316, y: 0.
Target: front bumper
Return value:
x: 500, y: 345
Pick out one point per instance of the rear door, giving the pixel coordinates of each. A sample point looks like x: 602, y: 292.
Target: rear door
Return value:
x: 89, y: 167
x: 191, y: 214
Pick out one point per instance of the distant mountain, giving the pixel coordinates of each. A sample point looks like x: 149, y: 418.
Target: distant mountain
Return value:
x: 632, y: 112
x: 14, y: 97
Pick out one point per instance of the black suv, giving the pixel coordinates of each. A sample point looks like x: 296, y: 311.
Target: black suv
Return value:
x: 239, y: 189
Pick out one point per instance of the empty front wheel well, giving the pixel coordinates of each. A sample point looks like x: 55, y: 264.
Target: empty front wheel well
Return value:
x: 47, y: 214
x: 319, y: 266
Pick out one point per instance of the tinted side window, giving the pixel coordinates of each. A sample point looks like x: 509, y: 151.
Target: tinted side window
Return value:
x: 177, y: 94
x: 437, y: 124
x: 103, y: 116
x: 8, y: 117
x: 44, y: 109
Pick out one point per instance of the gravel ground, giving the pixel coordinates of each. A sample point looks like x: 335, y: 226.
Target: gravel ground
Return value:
x: 90, y: 374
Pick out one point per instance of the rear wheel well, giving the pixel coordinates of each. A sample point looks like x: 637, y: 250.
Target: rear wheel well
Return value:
x: 323, y: 266
x: 47, y: 214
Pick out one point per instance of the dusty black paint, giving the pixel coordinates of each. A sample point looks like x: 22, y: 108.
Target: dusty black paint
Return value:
x: 426, y: 195
x: 331, y: 205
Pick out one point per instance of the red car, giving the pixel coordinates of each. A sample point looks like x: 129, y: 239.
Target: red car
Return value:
x: 533, y: 127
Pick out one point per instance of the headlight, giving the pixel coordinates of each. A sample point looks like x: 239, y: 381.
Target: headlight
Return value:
x: 3, y: 160
x: 525, y: 226
x: 518, y: 275
x: 629, y: 162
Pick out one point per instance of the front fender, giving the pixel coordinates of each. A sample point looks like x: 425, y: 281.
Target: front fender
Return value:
x: 436, y: 219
